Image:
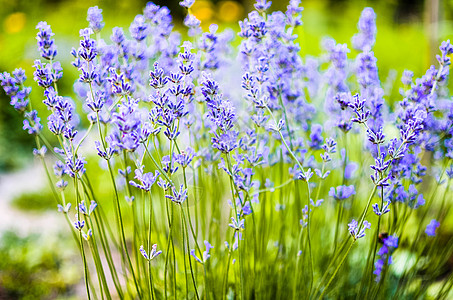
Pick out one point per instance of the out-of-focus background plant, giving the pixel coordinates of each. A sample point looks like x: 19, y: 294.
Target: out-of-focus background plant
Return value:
x: 34, y: 262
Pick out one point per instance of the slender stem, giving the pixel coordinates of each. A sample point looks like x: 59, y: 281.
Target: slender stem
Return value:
x: 118, y: 207
x: 378, y: 228
x: 286, y: 120
x: 98, y: 263
x: 337, y: 225
x: 284, y: 142
x: 241, y: 265
x: 272, y: 189
x: 296, y: 280
x: 85, y: 267
x: 225, y: 280
x: 336, y: 270
x: 365, y: 211
x: 151, y: 286
x: 184, y: 219
x: 309, y: 239
x: 184, y: 254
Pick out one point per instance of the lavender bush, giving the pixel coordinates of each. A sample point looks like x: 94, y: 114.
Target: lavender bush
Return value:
x: 247, y: 172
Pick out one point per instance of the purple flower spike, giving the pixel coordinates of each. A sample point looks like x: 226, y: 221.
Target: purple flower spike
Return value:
x: 46, y: 44
x: 186, y: 157
x: 93, y: 206
x: 385, y: 208
x: 40, y: 152
x: 262, y: 5
x: 87, y: 236
x: 237, y: 224
x: 390, y: 244
x: 431, y: 227
x: 353, y: 228
x: 366, y: 37
x: 83, y: 208
x: 305, y: 176
x: 192, y: 252
x: 153, y: 253
x: 206, y: 254
x: 79, y: 224
x: 143, y: 252
x: 342, y: 192
x: 32, y: 123
x: 64, y: 209
x: 139, y: 29
x: 187, y: 3
x: 94, y: 17
x: 178, y: 196
x: 146, y: 180
x: 163, y: 184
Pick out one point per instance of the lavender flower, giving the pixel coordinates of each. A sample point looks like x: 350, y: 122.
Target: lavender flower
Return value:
x: 342, y: 192
x: 139, y: 29
x: 163, y: 184
x: 9, y: 84
x: 46, y: 44
x: 187, y: 3
x: 407, y: 76
x: 47, y: 74
x: 262, y: 5
x: 353, y: 229
x: 237, y: 225
x: 79, y: 224
x: 178, y: 196
x: 206, y: 254
x: 94, y: 17
x: 87, y: 236
x: 40, y: 152
x: 390, y: 243
x: 431, y: 228
x: 83, y: 209
x: 75, y: 165
x: 64, y: 209
x: 32, y: 123
x: 305, y: 176
x: 153, y: 252
x: 385, y: 208
x: 316, y: 139
x: 146, y: 180
x: 188, y: 117
x: 366, y: 37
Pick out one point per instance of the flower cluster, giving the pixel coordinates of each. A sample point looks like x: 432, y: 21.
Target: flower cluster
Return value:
x: 357, y: 231
x: 203, y: 140
x: 390, y: 243
x: 431, y: 228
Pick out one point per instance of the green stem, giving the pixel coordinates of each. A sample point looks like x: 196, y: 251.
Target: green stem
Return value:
x: 85, y: 267
x: 296, y: 280
x: 309, y: 239
x: 336, y: 270
x: 151, y: 286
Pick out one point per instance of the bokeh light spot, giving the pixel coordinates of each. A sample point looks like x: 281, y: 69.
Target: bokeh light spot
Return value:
x: 203, y: 10
x: 230, y: 11
x: 15, y: 22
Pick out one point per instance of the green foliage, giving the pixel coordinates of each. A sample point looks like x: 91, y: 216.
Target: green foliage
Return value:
x: 36, y: 201
x: 31, y: 269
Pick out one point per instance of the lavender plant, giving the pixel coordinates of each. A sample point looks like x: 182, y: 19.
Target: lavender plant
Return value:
x: 296, y: 173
